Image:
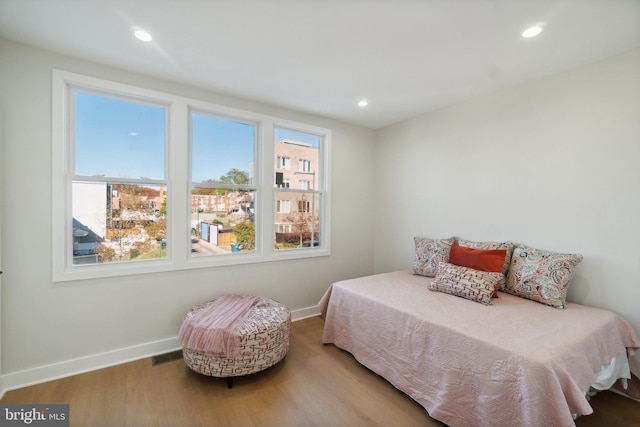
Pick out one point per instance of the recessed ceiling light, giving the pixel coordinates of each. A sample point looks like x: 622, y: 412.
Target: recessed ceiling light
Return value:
x: 532, y: 31
x: 142, y: 35
x: 363, y: 103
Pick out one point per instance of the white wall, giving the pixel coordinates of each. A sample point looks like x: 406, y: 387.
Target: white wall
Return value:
x: 1, y: 203
x: 553, y: 164
x: 52, y: 329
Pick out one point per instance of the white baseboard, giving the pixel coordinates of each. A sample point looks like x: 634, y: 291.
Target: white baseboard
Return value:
x: 71, y: 367
x: 15, y: 380
x: 622, y: 393
x: 305, y: 313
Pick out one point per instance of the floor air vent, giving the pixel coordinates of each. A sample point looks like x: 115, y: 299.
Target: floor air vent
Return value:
x: 166, y: 357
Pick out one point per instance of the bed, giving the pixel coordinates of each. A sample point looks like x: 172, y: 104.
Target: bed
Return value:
x: 514, y: 362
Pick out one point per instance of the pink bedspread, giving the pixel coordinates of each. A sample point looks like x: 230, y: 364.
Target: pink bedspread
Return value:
x: 216, y: 327
x: 514, y: 363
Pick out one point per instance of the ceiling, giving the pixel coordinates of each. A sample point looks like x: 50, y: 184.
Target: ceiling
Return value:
x: 406, y: 57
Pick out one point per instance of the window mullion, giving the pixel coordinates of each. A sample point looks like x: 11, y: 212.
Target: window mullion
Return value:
x: 267, y: 183
x: 178, y: 200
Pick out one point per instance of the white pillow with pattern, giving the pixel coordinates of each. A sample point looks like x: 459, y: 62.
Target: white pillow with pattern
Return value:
x: 541, y: 276
x: 474, y: 285
x: 429, y: 252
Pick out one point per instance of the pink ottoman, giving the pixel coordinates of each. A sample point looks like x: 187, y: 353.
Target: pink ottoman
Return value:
x: 264, y: 342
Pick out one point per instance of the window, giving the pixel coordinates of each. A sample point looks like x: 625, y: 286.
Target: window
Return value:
x: 145, y: 181
x: 118, y: 188
x: 284, y: 162
x: 281, y: 182
x: 305, y: 165
x: 306, y: 229
x: 284, y: 228
x: 283, y: 206
x: 304, y: 185
x: 304, y: 206
x: 222, y: 159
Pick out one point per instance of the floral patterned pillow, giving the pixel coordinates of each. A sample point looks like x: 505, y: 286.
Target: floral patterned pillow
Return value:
x: 508, y: 246
x: 474, y: 285
x: 541, y: 276
x: 429, y: 253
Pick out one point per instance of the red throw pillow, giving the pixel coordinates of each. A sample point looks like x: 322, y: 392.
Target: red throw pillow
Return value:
x: 491, y: 260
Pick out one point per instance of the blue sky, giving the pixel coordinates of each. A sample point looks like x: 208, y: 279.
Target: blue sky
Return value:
x: 126, y: 140
x: 117, y: 138
x: 218, y: 146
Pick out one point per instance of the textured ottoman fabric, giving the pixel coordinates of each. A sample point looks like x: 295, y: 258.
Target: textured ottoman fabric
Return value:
x: 264, y: 342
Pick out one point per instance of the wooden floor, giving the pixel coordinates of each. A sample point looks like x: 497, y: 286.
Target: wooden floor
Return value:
x: 315, y: 385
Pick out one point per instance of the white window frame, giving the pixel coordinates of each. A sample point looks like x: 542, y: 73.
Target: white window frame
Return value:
x: 283, y: 206
x: 284, y: 162
x: 304, y: 206
x: 177, y: 176
x: 283, y: 228
x: 304, y: 184
x: 304, y: 165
